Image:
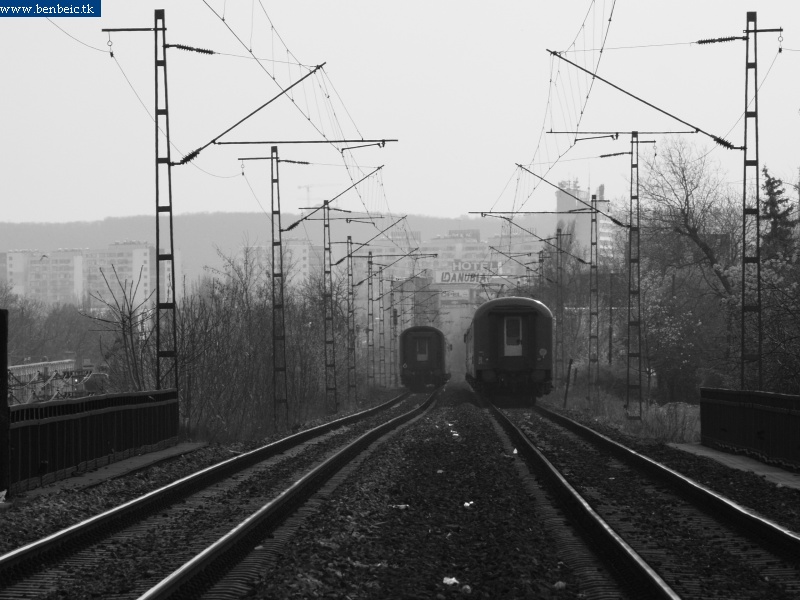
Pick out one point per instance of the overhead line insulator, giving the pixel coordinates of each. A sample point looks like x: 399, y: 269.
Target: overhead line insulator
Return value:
x: 190, y: 49
x: 724, y: 39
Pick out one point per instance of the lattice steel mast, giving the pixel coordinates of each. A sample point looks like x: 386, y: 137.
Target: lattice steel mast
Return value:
x: 370, y: 325
x: 166, y: 341
x: 381, y: 332
x: 352, y: 381
x: 331, y: 399
x: 279, y: 375
x: 594, y: 307
x: 752, y: 336
x: 633, y: 390
x: 559, y: 353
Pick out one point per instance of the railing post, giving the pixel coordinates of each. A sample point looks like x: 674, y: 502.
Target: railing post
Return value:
x: 5, y: 412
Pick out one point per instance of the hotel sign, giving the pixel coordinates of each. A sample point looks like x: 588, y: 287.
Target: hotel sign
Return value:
x: 465, y: 271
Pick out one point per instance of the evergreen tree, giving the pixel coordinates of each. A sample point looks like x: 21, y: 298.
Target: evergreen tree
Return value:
x: 777, y: 211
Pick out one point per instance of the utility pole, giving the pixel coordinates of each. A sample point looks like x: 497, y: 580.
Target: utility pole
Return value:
x: 352, y: 391
x: 331, y: 399
x: 594, y: 308
x: 610, y: 317
x: 752, y: 336
x: 279, y: 374
x: 633, y: 390
x: 392, y: 333
x: 166, y: 341
x: 541, y: 270
x: 559, y: 306
x: 370, y: 326
x: 381, y: 333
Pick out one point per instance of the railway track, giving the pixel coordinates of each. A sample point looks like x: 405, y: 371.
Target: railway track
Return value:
x: 126, y: 550
x: 696, y: 542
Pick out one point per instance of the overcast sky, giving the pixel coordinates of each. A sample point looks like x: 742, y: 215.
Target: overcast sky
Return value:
x: 466, y: 87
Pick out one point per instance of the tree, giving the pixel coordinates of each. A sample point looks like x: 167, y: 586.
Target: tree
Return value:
x: 684, y: 194
x: 690, y: 236
x: 130, y: 355
x: 777, y: 211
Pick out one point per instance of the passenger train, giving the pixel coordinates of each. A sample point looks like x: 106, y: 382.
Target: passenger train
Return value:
x: 509, y: 349
x: 423, y: 358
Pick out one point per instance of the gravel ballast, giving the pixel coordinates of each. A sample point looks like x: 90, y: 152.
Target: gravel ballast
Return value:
x: 436, y: 511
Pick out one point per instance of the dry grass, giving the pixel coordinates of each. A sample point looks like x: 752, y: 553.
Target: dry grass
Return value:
x: 677, y: 422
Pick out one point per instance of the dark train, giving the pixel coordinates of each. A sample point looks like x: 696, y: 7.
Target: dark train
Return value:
x: 510, y: 348
x: 423, y: 358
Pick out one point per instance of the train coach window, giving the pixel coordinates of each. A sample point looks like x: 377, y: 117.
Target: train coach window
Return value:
x: 422, y: 350
x: 512, y: 345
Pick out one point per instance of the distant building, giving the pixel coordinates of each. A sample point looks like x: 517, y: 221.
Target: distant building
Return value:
x: 56, y: 277
x: 301, y: 259
x: 131, y: 263
x: 82, y: 276
x: 571, y: 210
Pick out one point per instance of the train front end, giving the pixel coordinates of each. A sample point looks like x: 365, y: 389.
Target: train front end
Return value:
x: 510, y: 348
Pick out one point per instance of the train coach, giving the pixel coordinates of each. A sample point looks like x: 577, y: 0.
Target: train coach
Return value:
x: 423, y: 358
x: 509, y: 348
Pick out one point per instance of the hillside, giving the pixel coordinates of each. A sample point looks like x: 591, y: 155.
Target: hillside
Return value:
x: 202, y: 237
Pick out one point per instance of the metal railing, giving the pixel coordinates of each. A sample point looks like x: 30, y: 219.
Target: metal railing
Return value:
x: 49, y: 441
x: 763, y: 425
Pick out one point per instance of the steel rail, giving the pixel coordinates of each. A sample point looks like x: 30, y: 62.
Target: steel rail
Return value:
x: 14, y: 564
x: 633, y: 573
x: 784, y: 539
x: 195, y: 576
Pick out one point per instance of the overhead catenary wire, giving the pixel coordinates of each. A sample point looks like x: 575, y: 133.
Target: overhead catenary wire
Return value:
x: 149, y: 114
x: 69, y: 35
x: 541, y: 239
x: 327, y: 90
x: 192, y: 155
x: 549, y: 107
x: 722, y: 142
x: 612, y: 219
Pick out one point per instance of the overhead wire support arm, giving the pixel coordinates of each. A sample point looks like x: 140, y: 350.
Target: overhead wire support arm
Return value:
x: 326, y: 202
x: 192, y: 155
x: 722, y: 142
x: 612, y: 219
x: 511, y: 257
x: 734, y: 38
x: 616, y: 134
x: 401, y: 219
x: 541, y: 239
x: 380, y: 143
x: 282, y: 160
x: 394, y: 262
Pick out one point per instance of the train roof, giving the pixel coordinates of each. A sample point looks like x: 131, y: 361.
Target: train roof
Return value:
x: 511, y: 303
x: 421, y: 328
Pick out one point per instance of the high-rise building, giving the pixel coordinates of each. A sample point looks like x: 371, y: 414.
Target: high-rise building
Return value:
x: 91, y: 278
x: 56, y: 277
x: 301, y: 259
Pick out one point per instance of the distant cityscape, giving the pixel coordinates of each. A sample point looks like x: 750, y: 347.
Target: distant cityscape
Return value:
x: 458, y: 259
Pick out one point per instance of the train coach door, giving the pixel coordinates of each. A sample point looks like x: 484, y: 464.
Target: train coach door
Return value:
x: 512, y: 338
x: 422, y: 350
